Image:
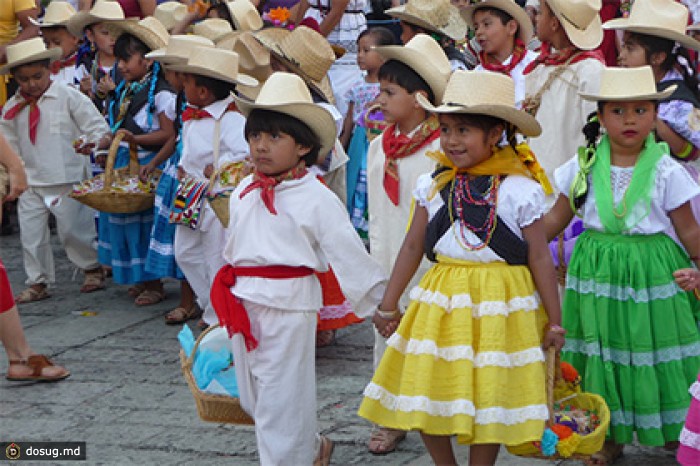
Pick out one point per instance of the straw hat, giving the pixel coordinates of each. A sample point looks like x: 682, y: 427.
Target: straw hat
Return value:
x: 56, y: 14
x: 525, y: 29
x: 270, y: 36
x: 253, y: 59
x: 103, y: 11
x: 244, y: 15
x: 170, y: 14
x: 580, y: 21
x: 495, y: 97
x: 627, y: 84
x: 149, y: 30
x: 28, y: 51
x: 214, y: 63
x: 434, y: 15
x: 212, y: 28
x: 660, y: 18
x: 308, y: 54
x: 287, y: 93
x: 424, y: 56
x: 178, y: 49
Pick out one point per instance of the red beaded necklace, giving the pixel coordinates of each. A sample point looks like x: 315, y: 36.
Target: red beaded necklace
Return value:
x: 461, y: 194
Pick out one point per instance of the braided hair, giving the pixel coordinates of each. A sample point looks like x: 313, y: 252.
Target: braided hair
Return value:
x: 591, y: 131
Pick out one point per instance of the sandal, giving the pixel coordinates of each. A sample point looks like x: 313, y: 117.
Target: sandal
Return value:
x: 325, y: 338
x: 37, y: 362
x: 383, y: 440
x: 609, y: 454
x: 32, y: 294
x: 94, y: 280
x: 180, y: 315
x: 150, y: 297
x: 136, y: 290
x: 325, y: 452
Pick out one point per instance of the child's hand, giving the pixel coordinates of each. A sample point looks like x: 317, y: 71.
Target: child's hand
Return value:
x: 208, y: 170
x: 18, y: 184
x: 687, y: 279
x: 181, y: 173
x: 128, y: 136
x: 554, y: 337
x: 86, y: 85
x: 146, y: 171
x: 81, y: 146
x: 106, y: 85
x: 386, y: 326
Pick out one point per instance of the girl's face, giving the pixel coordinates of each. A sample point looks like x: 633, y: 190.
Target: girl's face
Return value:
x: 135, y: 68
x: 493, y: 36
x: 368, y: 59
x: 274, y: 154
x: 628, y: 124
x: 397, y: 103
x: 466, y: 145
x: 60, y: 37
x: 175, y: 79
x: 99, y: 35
x: 632, y: 54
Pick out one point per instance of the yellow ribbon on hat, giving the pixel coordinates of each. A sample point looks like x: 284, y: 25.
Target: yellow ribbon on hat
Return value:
x: 503, y: 161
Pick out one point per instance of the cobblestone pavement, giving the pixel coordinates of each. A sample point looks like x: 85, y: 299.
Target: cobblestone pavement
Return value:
x: 127, y: 398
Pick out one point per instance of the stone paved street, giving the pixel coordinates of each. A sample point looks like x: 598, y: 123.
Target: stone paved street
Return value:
x: 127, y: 398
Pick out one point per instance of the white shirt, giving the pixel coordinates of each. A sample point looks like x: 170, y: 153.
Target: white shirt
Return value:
x: 66, y: 114
x: 516, y: 74
x: 311, y: 229
x: 66, y: 76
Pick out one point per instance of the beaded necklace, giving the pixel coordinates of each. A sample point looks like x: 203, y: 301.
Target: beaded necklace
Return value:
x: 461, y: 194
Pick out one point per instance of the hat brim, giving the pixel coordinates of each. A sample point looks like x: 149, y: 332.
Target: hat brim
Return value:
x: 240, y: 78
x: 630, y: 98
x: 455, y: 29
x: 162, y: 57
x: 322, y: 87
x: 82, y: 19
x: 623, y: 24
x: 152, y: 40
x: 526, y: 123
x: 314, y: 116
x: 587, y: 39
x: 525, y: 29
x: 50, y: 54
x: 42, y: 24
x: 417, y: 62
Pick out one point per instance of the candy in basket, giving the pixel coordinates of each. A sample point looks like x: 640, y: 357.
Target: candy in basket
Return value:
x: 374, y: 122
x: 225, y: 180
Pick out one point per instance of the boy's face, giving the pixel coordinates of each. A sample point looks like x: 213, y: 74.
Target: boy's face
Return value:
x: 60, y: 37
x: 494, y: 37
x: 397, y: 103
x: 198, y: 96
x: 175, y: 79
x: 99, y: 35
x: 546, y: 23
x: 274, y: 154
x: 33, y: 79
x: 632, y: 55
x: 628, y: 124
x: 466, y: 145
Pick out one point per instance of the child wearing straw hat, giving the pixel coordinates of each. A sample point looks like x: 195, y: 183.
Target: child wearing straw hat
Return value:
x: 55, y: 32
x: 41, y: 122
x: 212, y: 135
x: 240, y: 14
x: 635, y: 340
x: 143, y: 110
x: 285, y: 224
x: 466, y: 358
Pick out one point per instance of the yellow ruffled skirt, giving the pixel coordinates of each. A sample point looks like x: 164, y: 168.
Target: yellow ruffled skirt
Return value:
x: 466, y: 359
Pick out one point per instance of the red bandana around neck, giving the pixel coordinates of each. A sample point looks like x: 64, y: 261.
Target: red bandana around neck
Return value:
x: 397, y: 146
x: 194, y: 113
x: 34, y: 113
x: 58, y: 65
x: 519, y: 52
x: 267, y: 184
x: 567, y: 56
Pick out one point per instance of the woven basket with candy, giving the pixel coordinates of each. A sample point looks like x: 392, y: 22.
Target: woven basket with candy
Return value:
x: 578, y: 421
x: 226, y: 178
x: 374, y: 122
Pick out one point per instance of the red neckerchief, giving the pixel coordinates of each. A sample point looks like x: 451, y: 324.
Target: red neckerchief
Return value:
x: 397, y: 146
x: 194, y: 113
x: 34, y: 113
x: 519, y: 52
x: 267, y: 184
x: 58, y: 65
x: 568, y: 56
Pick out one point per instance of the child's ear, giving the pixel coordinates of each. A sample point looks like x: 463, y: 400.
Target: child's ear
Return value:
x: 657, y: 58
x: 302, y: 151
x: 415, y: 100
x: 495, y: 134
x: 512, y: 28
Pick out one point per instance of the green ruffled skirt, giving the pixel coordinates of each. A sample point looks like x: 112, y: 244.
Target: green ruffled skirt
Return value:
x: 632, y: 332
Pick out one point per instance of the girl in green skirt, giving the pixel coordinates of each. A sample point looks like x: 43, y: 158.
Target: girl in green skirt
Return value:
x: 632, y: 331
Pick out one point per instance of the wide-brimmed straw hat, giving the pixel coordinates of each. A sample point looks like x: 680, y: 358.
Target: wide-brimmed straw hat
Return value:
x: 149, y: 30
x: 28, y: 51
x: 580, y: 21
x: 170, y: 14
x: 214, y: 63
x: 244, y: 15
x: 525, y: 29
x: 659, y: 18
x: 56, y: 14
x: 178, y: 49
x: 103, y: 11
x: 483, y: 93
x: 433, y: 15
x: 212, y: 28
x: 308, y: 54
x: 628, y: 84
x: 253, y: 59
x: 424, y: 56
x: 287, y: 93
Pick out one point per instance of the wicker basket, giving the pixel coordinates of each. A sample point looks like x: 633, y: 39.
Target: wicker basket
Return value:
x: 373, y: 127
x: 219, y: 201
x: 590, y: 443
x: 118, y: 202
x: 212, y: 407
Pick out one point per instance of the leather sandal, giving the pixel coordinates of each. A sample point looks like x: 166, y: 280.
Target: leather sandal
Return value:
x: 383, y: 440
x: 135, y: 290
x: 37, y: 362
x: 180, y: 315
x: 325, y: 452
x: 609, y: 454
x: 150, y: 297
x: 32, y: 294
x: 94, y: 280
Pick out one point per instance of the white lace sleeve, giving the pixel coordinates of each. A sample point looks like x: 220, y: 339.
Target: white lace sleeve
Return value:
x: 422, y: 189
x: 564, y: 176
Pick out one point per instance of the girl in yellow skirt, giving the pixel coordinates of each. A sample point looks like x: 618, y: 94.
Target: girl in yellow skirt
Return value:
x: 466, y: 358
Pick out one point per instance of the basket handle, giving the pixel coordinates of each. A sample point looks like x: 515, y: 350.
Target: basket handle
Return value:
x: 553, y: 371
x: 190, y: 358
x: 111, y: 157
x: 217, y: 147
x: 370, y: 110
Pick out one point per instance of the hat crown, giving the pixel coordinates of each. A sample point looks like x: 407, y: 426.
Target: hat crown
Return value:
x: 182, y: 45
x: 284, y: 88
x: 308, y: 50
x: 170, y: 13
x: 220, y: 61
x: 626, y: 83
x: 26, y: 48
x: 107, y: 10
x: 580, y: 13
x: 58, y: 12
x: 212, y: 28
x: 432, y: 52
x: 662, y: 14
x: 245, y: 16
x: 497, y: 89
x: 432, y: 11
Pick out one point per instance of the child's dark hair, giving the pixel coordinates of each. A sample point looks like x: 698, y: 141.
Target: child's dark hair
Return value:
x: 402, y: 75
x: 381, y: 35
x: 222, y: 12
x: 220, y: 89
x: 497, y: 12
x: 127, y: 45
x: 653, y: 45
x: 268, y: 121
x: 591, y: 131
x: 43, y: 63
x: 485, y: 123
